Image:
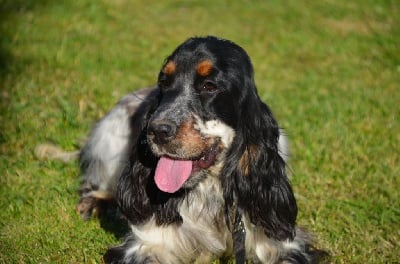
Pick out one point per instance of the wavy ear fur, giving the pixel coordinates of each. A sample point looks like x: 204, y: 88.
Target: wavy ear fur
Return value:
x: 137, y: 195
x: 256, y: 176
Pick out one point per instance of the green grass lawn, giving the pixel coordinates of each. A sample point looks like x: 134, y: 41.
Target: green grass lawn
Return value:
x: 330, y: 70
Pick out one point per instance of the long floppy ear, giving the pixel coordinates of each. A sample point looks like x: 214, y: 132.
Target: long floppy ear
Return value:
x: 137, y: 195
x: 132, y: 195
x: 257, y: 179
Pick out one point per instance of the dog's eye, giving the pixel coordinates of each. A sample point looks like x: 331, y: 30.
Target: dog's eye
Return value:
x: 209, y: 86
x: 163, y: 82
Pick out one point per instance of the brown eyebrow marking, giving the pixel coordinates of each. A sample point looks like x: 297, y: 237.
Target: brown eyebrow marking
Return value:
x: 204, y: 68
x: 169, y: 68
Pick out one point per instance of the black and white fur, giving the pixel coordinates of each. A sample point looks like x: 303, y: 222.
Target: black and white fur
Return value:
x: 205, y: 109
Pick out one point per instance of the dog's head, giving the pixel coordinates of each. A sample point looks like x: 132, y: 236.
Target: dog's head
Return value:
x: 210, y: 121
x: 202, y: 85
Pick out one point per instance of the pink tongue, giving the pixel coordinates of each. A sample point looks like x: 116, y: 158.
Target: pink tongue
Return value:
x: 172, y: 174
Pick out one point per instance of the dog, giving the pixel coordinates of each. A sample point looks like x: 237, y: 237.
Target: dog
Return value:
x: 197, y: 166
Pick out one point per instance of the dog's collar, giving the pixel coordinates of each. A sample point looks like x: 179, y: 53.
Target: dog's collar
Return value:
x: 239, y: 238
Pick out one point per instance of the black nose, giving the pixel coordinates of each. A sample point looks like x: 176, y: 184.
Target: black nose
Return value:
x: 161, y: 131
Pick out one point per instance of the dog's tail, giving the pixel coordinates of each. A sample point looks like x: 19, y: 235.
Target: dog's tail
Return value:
x: 48, y: 151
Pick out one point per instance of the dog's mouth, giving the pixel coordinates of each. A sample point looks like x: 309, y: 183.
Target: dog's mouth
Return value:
x: 171, y: 174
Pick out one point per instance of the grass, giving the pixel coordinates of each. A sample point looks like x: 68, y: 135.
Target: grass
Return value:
x: 330, y: 70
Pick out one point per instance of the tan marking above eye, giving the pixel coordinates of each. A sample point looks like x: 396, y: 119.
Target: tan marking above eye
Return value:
x: 169, y: 68
x: 204, y: 68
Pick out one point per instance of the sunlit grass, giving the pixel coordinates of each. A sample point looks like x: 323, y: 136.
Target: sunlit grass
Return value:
x: 328, y: 69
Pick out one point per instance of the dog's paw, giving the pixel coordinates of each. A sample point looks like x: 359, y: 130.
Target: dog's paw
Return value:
x: 95, y: 203
x: 87, y: 207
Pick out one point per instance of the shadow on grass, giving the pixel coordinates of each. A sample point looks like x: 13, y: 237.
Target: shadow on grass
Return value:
x: 10, y: 68
x: 9, y: 9
x: 115, y: 225
x: 111, y: 220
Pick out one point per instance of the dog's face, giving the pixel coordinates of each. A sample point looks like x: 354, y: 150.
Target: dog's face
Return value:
x: 201, y: 95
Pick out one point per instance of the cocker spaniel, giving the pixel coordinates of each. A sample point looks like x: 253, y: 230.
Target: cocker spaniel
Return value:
x: 196, y: 165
